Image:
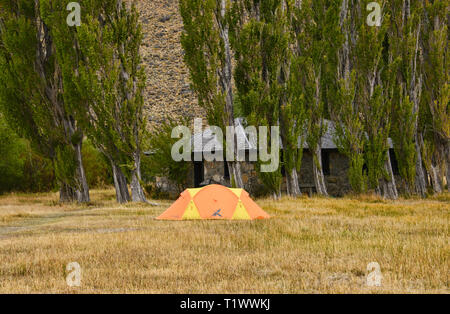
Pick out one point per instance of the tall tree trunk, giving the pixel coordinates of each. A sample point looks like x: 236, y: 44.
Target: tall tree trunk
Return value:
x: 436, y: 178
x: 319, y: 178
x: 236, y: 174
x: 387, y: 186
x: 293, y: 187
x: 344, y: 53
x: 82, y: 192
x: 448, y: 174
x: 137, y: 193
x: 276, y: 195
x: 226, y: 76
x: 120, y: 183
x: 415, y: 92
x: 66, y: 193
x: 448, y: 167
x: 439, y: 164
x: 52, y: 89
x: 316, y: 147
x: 79, y: 177
x: 421, y: 183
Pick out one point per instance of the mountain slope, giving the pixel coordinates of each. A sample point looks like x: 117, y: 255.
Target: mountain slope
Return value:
x: 168, y: 92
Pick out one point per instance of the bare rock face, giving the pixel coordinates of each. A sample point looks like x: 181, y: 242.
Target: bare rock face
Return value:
x: 168, y: 90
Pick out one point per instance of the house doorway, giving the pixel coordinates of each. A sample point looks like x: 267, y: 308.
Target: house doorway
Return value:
x: 199, y: 173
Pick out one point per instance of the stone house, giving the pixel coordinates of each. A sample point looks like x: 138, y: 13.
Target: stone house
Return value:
x: 335, y: 167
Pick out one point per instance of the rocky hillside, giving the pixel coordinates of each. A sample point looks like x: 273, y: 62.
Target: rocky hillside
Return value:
x: 168, y: 92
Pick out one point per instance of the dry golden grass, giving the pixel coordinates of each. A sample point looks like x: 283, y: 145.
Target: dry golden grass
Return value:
x: 309, y: 246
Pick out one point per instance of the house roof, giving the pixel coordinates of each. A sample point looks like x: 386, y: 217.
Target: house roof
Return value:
x: 209, y: 139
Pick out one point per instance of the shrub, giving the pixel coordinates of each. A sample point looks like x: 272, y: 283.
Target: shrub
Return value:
x: 160, y: 162
x: 11, y: 163
x: 156, y: 193
x: 98, y: 170
x: 22, y: 169
x: 39, y: 175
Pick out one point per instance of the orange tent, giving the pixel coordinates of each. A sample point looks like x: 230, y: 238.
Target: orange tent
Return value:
x: 214, y: 202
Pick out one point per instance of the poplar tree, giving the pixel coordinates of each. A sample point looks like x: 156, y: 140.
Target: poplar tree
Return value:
x: 315, y: 24
x: 375, y: 80
x: 405, y: 36
x: 91, y: 83
x: 261, y: 46
x: 292, y: 105
x: 107, y: 83
x: 208, y: 55
x: 436, y: 91
x: 345, y: 110
x: 350, y: 136
x: 32, y: 92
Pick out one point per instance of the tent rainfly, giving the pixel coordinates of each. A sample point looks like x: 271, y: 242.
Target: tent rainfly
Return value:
x: 214, y: 202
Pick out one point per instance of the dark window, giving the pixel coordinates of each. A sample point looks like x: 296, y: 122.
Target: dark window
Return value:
x: 326, y: 163
x: 365, y: 169
x: 226, y: 171
x: 199, y: 174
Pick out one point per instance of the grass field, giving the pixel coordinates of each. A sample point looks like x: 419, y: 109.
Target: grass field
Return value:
x: 310, y: 245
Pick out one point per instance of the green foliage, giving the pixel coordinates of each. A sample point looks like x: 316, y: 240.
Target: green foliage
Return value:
x: 435, y: 119
x: 267, y: 94
x: 377, y: 125
x: 408, y: 86
x: 160, y: 162
x: 356, y: 175
x: 403, y: 134
x: 24, y: 170
x: 21, y: 169
x: 28, y: 114
x: 350, y: 137
x: 104, y: 78
x: 374, y: 90
x: 39, y: 175
x: 11, y: 163
x: 204, y: 55
x: 75, y: 81
x: 156, y: 193
x: 271, y: 180
x: 290, y: 71
x: 316, y: 32
x: 65, y: 164
x: 98, y: 170
x: 33, y: 93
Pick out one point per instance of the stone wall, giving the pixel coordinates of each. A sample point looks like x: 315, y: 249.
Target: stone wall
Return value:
x: 337, y: 181
x: 252, y: 184
x: 215, y: 171
x: 173, y: 190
